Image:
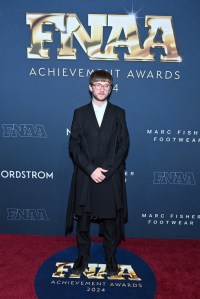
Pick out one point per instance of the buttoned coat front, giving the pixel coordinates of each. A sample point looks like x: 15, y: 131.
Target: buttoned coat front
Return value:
x: 109, y: 143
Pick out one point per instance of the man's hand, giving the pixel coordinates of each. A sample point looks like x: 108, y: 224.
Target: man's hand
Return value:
x: 97, y: 175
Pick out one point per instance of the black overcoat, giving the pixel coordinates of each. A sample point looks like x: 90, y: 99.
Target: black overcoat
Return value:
x: 110, y: 141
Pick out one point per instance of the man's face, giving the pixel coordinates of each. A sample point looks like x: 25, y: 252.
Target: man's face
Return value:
x: 100, y: 90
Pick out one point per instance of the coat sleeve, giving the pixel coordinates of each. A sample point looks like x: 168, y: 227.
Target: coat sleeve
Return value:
x: 122, y: 145
x: 75, y: 147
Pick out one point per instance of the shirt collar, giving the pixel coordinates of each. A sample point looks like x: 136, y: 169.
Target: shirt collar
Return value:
x: 100, y: 108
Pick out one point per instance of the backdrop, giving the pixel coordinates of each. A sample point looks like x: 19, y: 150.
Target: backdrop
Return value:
x: 48, y: 51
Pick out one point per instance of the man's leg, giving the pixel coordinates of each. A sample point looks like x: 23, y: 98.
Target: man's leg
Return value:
x: 83, y: 244
x: 110, y: 245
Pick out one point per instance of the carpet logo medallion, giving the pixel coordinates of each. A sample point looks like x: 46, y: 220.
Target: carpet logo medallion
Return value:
x: 55, y: 280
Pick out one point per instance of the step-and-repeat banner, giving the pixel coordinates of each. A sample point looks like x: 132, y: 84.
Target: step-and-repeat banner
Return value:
x: 48, y: 51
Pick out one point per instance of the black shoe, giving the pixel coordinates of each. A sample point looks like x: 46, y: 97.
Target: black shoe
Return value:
x: 111, y: 266
x: 80, y: 264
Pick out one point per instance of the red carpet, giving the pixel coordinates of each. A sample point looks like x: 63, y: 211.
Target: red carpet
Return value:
x: 176, y: 264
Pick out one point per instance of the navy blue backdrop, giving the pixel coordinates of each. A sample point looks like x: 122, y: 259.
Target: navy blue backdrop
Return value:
x: 48, y: 50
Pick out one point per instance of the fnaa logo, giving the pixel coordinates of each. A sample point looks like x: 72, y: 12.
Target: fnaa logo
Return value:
x: 15, y: 214
x: 24, y: 130
x: 95, y: 46
x: 174, y: 178
x: 96, y: 271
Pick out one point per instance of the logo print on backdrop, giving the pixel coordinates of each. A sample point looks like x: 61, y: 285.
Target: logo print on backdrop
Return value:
x: 24, y: 130
x: 69, y: 26
x: 26, y: 174
x: 174, y: 135
x: 68, y: 132
x: 27, y: 214
x: 128, y: 174
x: 173, y: 178
x: 181, y: 220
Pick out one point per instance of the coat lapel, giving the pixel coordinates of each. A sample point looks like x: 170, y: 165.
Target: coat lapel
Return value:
x: 92, y: 116
x: 107, y: 116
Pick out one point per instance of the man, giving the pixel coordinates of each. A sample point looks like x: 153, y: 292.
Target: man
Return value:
x: 98, y: 145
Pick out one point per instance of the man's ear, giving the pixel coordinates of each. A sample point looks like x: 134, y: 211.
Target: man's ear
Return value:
x: 90, y: 87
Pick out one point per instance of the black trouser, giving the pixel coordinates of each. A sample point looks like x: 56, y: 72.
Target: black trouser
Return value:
x: 83, y: 235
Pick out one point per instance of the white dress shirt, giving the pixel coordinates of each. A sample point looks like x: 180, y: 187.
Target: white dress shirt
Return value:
x: 99, y: 111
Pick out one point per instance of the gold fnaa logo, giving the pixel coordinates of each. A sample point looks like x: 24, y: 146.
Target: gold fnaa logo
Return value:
x: 69, y: 26
x: 96, y: 271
